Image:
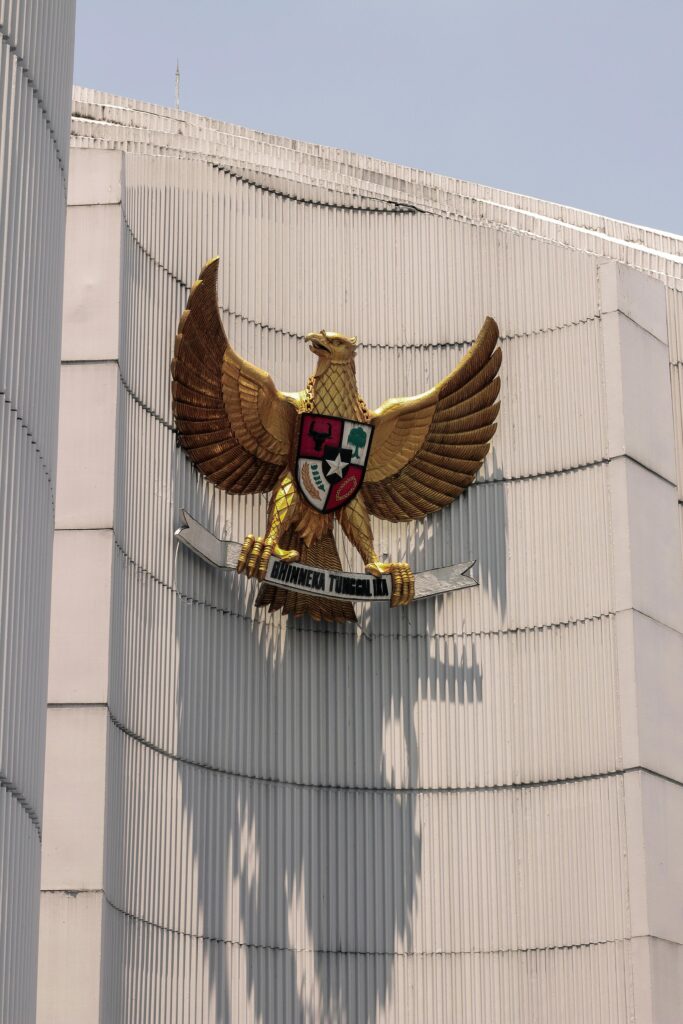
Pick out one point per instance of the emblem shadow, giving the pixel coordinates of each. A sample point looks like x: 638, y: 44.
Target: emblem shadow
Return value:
x: 300, y: 713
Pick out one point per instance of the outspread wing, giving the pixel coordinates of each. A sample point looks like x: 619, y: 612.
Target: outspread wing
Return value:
x: 426, y: 450
x: 232, y: 421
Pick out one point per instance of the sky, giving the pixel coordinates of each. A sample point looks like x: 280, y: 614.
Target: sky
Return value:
x: 577, y: 102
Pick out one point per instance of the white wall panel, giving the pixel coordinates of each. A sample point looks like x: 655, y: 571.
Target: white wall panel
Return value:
x: 467, y: 710
x: 390, y: 276
x: 232, y: 982
x: 36, y: 48
x: 80, y: 617
x: 649, y: 660
x: 75, y: 757
x: 675, y: 327
x: 91, y: 292
x: 69, y: 958
x: 675, y: 324
x: 87, y: 413
x: 379, y: 871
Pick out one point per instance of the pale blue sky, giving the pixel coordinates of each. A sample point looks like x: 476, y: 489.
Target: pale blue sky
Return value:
x: 579, y: 102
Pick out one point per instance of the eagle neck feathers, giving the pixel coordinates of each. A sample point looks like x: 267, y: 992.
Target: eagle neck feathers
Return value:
x: 333, y: 391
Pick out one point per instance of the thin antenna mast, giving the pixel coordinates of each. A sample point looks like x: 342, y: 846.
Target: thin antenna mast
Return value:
x: 177, y: 84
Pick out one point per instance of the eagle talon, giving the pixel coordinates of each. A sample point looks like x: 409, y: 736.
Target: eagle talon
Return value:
x: 286, y: 554
x: 254, y: 556
x: 262, y: 559
x: 242, y: 561
x: 402, y: 579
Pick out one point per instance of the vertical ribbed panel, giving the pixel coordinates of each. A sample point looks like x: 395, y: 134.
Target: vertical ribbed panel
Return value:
x: 36, y: 50
x: 379, y: 871
x: 437, y: 721
x: 213, y: 981
x: 675, y: 331
x: 422, y: 819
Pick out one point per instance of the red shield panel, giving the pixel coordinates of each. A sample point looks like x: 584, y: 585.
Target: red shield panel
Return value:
x: 331, y: 459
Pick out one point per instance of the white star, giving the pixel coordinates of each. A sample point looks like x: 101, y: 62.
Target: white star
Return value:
x: 336, y: 466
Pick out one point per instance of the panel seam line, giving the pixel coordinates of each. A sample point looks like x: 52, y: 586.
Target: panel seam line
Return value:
x: 25, y: 805
x: 367, y: 344
x: 380, y: 790
x: 25, y: 70
x: 27, y: 430
x: 393, y: 954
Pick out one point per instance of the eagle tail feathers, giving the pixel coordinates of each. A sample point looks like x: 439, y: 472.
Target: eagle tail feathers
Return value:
x: 321, y: 554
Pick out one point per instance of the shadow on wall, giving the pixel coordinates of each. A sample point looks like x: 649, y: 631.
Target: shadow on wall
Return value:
x: 307, y: 840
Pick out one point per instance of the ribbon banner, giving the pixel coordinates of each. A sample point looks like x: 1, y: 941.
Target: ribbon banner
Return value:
x: 354, y: 586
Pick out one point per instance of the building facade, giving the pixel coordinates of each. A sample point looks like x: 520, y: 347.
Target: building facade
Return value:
x: 36, y: 54
x: 468, y: 809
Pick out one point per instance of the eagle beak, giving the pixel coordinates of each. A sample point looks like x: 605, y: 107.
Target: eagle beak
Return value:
x: 318, y: 342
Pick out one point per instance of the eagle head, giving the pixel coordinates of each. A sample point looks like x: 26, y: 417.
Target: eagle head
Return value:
x: 332, y: 347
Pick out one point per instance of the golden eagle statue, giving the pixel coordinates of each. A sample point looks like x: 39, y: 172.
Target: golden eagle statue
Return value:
x: 322, y: 453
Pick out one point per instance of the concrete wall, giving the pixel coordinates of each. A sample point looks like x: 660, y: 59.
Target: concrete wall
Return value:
x: 36, y: 52
x: 463, y: 810
x: 77, y: 723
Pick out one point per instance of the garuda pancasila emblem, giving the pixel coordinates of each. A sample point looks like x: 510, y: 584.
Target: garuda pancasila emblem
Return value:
x: 325, y: 456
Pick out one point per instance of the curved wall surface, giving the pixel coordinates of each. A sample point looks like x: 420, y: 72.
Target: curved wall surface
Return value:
x: 36, y: 51
x: 427, y: 817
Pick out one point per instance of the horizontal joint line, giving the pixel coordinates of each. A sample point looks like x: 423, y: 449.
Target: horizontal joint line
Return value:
x: 16, y: 793
x: 393, y: 954
x: 377, y: 790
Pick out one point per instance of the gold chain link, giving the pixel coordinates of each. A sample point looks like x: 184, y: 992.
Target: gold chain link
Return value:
x: 307, y: 404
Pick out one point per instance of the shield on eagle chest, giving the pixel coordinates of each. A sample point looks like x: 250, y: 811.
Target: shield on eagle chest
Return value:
x: 331, y: 459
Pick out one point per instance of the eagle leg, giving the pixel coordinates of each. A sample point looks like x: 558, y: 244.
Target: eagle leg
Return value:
x: 355, y: 522
x: 256, y: 551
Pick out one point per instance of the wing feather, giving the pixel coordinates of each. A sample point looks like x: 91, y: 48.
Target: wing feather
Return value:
x: 427, y: 450
x: 232, y: 421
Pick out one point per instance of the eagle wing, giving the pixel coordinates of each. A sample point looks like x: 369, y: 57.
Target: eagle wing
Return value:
x: 232, y: 421
x: 426, y: 450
